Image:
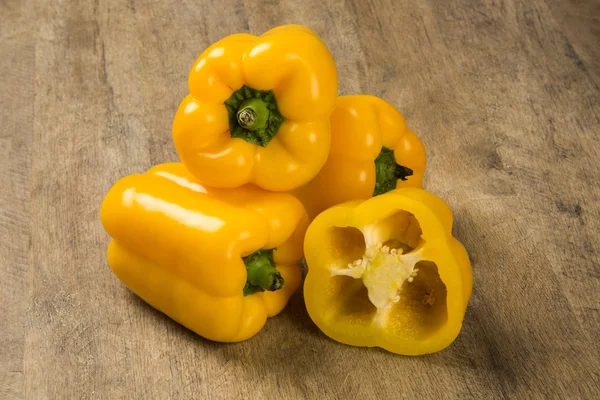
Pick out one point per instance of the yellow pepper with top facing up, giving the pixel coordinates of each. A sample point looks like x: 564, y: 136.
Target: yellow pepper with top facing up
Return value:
x: 372, y: 152
x: 218, y: 261
x: 258, y: 110
x: 387, y: 272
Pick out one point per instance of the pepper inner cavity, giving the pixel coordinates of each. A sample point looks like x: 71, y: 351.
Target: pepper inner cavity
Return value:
x: 393, y: 248
x: 383, y: 271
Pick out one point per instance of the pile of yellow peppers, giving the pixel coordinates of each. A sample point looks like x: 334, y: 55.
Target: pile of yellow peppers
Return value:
x: 276, y: 168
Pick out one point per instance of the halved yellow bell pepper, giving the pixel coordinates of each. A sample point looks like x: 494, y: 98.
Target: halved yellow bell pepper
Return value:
x: 258, y: 110
x: 218, y: 261
x: 387, y: 272
x: 372, y: 152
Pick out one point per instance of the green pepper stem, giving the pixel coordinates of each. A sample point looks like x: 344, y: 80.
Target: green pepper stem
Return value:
x: 401, y: 172
x: 388, y: 172
x: 261, y: 273
x: 253, y: 114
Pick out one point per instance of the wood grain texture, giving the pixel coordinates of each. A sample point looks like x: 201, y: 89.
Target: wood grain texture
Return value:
x: 17, y: 55
x: 505, y: 95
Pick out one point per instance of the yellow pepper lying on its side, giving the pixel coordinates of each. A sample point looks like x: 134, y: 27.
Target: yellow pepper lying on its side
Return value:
x: 258, y: 110
x: 387, y: 272
x: 372, y: 152
x: 218, y: 261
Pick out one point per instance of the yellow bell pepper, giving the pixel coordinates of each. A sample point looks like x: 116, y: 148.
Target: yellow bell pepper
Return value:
x: 258, y: 110
x: 387, y: 272
x: 371, y: 153
x: 218, y: 261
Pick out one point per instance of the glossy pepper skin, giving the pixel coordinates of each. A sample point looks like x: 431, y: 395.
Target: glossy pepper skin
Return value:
x: 179, y: 245
x: 258, y: 110
x: 363, y: 129
x: 387, y: 272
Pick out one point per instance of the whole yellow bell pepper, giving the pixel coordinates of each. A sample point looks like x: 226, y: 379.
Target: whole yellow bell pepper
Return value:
x: 258, y: 110
x: 218, y: 261
x: 387, y: 272
x: 372, y: 152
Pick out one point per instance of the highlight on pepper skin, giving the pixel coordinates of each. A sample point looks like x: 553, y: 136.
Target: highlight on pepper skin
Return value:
x: 387, y: 272
x: 258, y: 110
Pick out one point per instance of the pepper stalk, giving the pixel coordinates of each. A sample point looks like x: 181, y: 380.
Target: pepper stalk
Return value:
x: 262, y: 273
x: 388, y: 171
x: 253, y: 115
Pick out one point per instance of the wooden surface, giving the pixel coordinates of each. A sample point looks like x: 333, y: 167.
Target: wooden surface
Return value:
x: 505, y: 95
